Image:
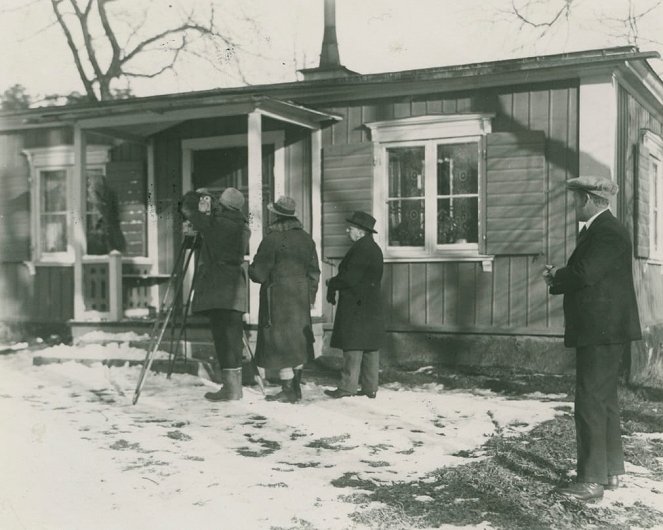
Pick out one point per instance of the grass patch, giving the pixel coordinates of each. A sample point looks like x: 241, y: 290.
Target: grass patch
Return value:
x: 513, y: 485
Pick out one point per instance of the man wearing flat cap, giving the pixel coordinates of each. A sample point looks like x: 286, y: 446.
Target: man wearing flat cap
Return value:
x: 601, y: 320
x: 359, y: 322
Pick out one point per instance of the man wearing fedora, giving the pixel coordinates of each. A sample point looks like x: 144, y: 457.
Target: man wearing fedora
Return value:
x: 601, y: 320
x: 286, y: 267
x: 359, y: 322
x: 220, y: 283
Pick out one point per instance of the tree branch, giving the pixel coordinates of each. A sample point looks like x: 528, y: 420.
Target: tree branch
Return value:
x: 82, y: 17
x: 115, y: 66
x: 89, y: 88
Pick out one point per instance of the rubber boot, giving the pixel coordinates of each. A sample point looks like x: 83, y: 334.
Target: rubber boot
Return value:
x: 287, y: 393
x: 232, y: 386
x: 297, y: 383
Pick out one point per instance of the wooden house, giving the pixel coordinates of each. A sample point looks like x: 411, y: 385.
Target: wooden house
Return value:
x: 463, y: 167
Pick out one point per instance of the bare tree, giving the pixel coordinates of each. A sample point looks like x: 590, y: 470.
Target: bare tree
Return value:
x: 115, y: 40
x: 622, y: 22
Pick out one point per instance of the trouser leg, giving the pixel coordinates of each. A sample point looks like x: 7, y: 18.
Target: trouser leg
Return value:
x: 227, y: 329
x: 350, y: 371
x: 370, y: 368
x: 597, y: 412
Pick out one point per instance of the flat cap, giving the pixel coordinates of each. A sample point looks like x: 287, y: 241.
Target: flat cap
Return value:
x: 599, y: 186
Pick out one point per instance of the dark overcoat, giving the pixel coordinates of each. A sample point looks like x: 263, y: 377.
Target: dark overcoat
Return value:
x: 221, y: 281
x: 286, y: 266
x: 359, y: 320
x: 597, y: 283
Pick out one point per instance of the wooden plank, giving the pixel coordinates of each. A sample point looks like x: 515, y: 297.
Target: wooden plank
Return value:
x: 450, y: 293
x: 483, y: 297
x: 449, y: 106
x: 435, y: 293
x: 419, y: 108
x: 368, y: 116
x: 402, y: 109
x: 355, y: 125
x: 417, y: 296
x: 340, y: 128
x: 539, y: 111
x: 521, y: 110
x: 433, y: 106
x: 537, y: 300
x: 387, y: 296
x: 466, y: 308
x: 400, y: 290
x: 501, y: 292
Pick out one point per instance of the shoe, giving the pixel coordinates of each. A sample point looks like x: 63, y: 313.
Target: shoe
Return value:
x: 613, y: 482
x: 369, y: 395
x: 338, y: 393
x: 287, y: 393
x: 582, y: 491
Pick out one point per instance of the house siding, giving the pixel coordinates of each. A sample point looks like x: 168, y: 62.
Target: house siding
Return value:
x: 43, y: 294
x: 647, y: 355
x: 459, y: 296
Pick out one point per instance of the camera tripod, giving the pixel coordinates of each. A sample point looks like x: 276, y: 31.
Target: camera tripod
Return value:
x: 166, y: 317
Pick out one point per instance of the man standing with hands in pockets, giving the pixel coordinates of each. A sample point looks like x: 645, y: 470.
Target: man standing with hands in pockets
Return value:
x: 601, y: 320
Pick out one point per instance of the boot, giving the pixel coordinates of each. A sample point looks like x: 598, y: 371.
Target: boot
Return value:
x: 232, y: 386
x: 297, y: 383
x: 287, y: 393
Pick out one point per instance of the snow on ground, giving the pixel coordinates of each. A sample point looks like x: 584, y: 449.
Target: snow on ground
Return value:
x: 78, y: 455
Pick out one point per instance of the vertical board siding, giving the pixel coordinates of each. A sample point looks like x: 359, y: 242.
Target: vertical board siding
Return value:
x: 14, y: 200
x: 648, y: 277
x: 460, y: 295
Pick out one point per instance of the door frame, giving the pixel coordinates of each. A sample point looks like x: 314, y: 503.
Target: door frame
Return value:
x: 275, y: 138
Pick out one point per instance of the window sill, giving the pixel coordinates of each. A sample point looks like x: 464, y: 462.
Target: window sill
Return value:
x: 440, y: 258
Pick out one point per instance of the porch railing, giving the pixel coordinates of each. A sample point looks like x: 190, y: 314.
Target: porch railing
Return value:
x: 113, y: 290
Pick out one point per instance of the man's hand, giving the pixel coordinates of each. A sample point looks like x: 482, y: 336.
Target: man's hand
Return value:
x: 331, y: 296
x: 548, y: 274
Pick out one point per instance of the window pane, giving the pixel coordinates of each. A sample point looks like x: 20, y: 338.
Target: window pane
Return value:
x: 406, y: 223
x: 54, y: 191
x: 457, y: 169
x: 54, y: 232
x: 406, y: 171
x: 457, y: 221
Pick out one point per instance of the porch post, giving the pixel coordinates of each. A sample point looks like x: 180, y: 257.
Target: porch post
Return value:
x: 316, y: 203
x: 78, y: 196
x: 254, y: 141
x: 152, y: 221
x: 115, y: 285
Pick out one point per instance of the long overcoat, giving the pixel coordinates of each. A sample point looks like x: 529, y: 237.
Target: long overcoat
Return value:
x: 221, y: 281
x: 597, y: 283
x: 359, y: 320
x: 286, y: 266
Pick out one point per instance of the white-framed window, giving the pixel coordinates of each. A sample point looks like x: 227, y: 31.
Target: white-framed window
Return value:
x: 51, y: 170
x: 654, y: 144
x: 428, y: 185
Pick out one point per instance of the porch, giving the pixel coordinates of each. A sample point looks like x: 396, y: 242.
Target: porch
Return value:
x: 120, y: 288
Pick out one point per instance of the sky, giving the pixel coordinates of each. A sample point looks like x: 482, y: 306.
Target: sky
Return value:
x: 276, y: 37
x: 78, y: 455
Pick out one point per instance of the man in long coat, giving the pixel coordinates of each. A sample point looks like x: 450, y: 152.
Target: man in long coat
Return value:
x: 601, y: 320
x: 220, y: 281
x: 359, y: 321
x: 286, y: 266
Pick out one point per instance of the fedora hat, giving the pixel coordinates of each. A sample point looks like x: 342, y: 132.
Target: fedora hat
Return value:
x: 284, y: 206
x: 362, y: 220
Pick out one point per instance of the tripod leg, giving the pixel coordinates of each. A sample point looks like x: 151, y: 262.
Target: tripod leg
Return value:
x: 256, y: 376
x: 161, y: 326
x: 182, y: 331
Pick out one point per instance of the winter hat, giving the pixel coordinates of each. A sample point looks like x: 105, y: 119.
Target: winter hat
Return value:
x: 232, y: 199
x: 284, y: 206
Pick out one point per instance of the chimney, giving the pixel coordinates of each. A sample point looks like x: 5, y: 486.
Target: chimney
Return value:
x: 330, y: 62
